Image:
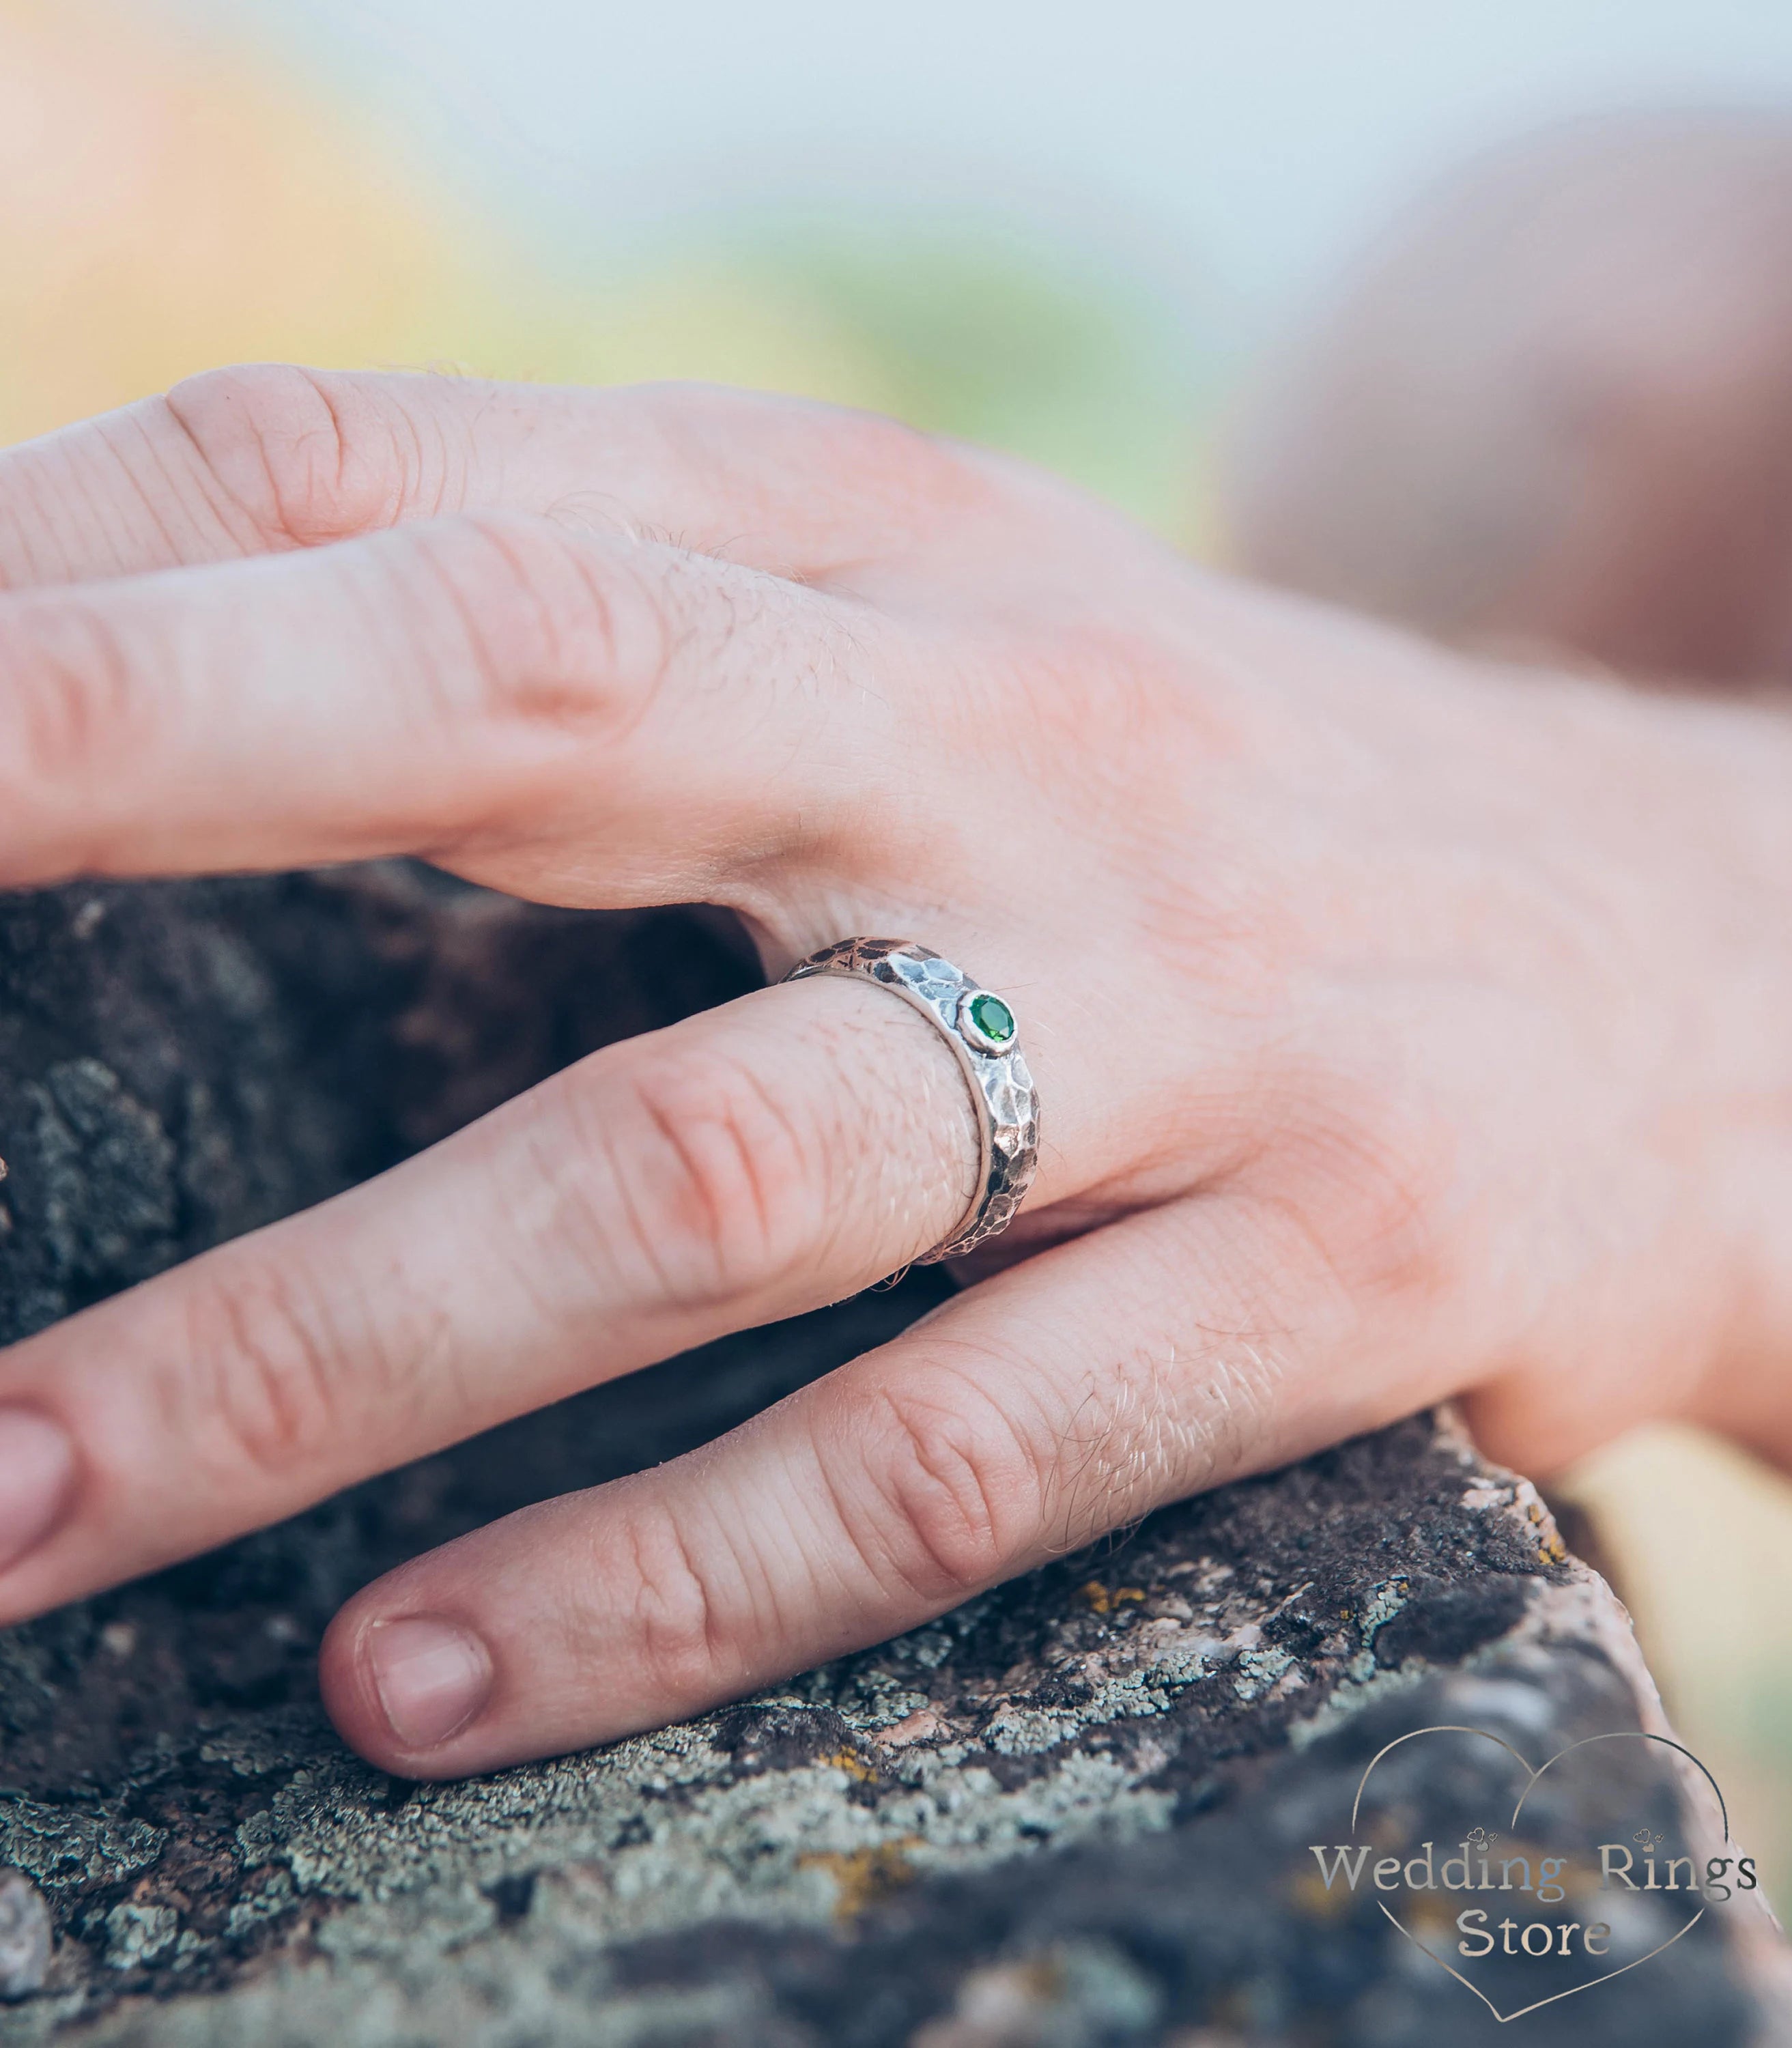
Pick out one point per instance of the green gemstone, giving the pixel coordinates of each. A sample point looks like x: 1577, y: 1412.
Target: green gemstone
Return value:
x: 992, y: 1018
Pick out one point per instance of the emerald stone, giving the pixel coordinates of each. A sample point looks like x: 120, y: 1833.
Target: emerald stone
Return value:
x: 990, y: 1020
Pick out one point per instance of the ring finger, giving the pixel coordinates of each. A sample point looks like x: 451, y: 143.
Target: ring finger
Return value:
x: 757, y: 1161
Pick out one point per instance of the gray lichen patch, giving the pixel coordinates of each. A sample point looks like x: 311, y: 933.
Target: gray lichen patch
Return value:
x: 1128, y: 1703
x: 1091, y: 1705
x: 26, y: 1937
x: 76, y: 1848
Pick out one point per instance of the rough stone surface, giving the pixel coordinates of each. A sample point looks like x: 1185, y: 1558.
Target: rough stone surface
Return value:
x: 1078, y: 1810
x: 26, y: 1938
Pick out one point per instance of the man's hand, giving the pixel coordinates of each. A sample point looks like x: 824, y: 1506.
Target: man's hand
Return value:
x: 1403, y: 1027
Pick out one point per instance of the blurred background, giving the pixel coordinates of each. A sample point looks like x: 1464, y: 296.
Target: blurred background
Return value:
x: 1086, y: 235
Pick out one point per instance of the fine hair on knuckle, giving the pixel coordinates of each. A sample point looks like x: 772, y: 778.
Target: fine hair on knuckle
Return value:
x: 1165, y: 1423
x: 1123, y: 1450
x: 1100, y: 1465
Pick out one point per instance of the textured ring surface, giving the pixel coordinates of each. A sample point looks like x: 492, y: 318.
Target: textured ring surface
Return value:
x: 981, y: 1029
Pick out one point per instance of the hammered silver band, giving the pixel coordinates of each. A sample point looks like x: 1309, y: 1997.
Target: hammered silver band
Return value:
x: 1002, y: 1090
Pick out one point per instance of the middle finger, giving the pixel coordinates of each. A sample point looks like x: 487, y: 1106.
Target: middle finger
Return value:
x: 473, y: 682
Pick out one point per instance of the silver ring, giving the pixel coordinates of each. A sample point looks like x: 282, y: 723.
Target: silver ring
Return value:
x: 982, y: 1030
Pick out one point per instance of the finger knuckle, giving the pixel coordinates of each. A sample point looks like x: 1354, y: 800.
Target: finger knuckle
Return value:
x: 265, y: 1371
x: 550, y: 628
x: 302, y: 454
x: 66, y: 676
x: 957, y: 1488
x: 674, y: 1619
x: 555, y: 630
x: 723, y: 1191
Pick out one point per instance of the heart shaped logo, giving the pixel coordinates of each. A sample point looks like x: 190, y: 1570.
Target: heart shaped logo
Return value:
x: 1562, y: 1893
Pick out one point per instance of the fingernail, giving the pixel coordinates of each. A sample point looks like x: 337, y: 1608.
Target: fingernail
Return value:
x: 36, y: 1475
x: 431, y: 1676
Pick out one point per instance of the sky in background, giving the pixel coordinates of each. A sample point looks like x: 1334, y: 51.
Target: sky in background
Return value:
x: 1234, y: 152
x: 1062, y: 230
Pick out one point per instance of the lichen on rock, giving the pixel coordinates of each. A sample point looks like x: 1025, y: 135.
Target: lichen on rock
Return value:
x: 26, y: 1936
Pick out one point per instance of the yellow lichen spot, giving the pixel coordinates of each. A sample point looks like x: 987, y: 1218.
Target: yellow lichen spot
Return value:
x: 854, y: 1766
x: 1105, y: 1598
x: 864, y: 1875
x: 1550, y: 1547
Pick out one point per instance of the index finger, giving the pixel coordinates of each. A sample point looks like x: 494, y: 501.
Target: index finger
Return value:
x: 271, y: 457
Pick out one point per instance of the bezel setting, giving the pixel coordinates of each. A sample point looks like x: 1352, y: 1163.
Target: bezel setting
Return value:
x: 985, y: 1041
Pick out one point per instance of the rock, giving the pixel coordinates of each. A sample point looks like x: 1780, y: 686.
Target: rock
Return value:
x: 1080, y: 1810
x: 25, y: 1938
